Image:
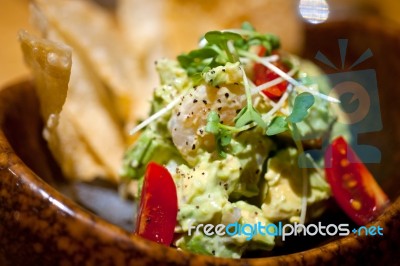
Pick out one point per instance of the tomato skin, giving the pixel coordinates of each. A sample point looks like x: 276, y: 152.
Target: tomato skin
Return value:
x: 262, y: 74
x: 353, y: 186
x: 158, y: 209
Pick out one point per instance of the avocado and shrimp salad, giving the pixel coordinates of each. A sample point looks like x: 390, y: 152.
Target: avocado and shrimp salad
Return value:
x: 225, y: 145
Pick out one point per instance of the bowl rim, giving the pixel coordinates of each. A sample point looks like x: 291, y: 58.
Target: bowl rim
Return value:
x: 21, y: 171
x: 351, y: 245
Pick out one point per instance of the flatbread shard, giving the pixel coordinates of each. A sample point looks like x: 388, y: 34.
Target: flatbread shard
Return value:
x: 93, y: 33
x: 51, y: 66
x: 50, y: 63
x: 71, y: 151
x: 92, y: 120
x: 88, y: 142
x: 168, y: 28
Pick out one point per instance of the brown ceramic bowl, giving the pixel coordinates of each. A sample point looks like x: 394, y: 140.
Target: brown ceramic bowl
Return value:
x: 41, y: 226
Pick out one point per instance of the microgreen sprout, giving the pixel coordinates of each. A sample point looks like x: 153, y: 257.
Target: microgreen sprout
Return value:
x: 222, y: 135
x: 248, y: 114
x: 297, y: 140
x: 285, y: 76
x: 302, y: 104
x: 156, y: 115
x: 221, y: 39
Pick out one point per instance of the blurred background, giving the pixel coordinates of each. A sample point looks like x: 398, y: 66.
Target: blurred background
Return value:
x: 14, y: 16
x: 283, y: 18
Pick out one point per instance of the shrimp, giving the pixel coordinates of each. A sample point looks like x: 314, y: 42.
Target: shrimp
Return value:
x: 189, y: 118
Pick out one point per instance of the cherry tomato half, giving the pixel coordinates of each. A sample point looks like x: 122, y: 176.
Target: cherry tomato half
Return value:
x: 262, y: 74
x: 353, y: 186
x: 158, y: 205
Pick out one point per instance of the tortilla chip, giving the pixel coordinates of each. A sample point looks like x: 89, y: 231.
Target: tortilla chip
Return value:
x: 50, y: 63
x: 92, y: 120
x: 92, y: 32
x: 169, y: 28
x: 88, y: 122
x: 71, y: 151
x: 51, y: 66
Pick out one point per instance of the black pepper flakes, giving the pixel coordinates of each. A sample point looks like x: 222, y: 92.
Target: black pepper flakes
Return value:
x: 226, y: 95
x: 178, y: 114
x: 204, y: 101
x: 219, y: 100
x: 219, y: 108
x: 195, y: 101
x: 193, y: 146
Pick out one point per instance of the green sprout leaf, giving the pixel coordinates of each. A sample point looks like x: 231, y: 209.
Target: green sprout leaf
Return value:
x: 221, y: 39
x: 302, y: 103
x: 248, y: 26
x: 223, y: 136
x: 203, y: 53
x: 277, y: 125
x: 248, y: 115
x: 197, y: 60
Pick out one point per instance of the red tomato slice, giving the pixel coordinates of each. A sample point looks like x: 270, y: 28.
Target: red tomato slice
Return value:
x: 262, y: 74
x: 158, y: 206
x: 353, y: 186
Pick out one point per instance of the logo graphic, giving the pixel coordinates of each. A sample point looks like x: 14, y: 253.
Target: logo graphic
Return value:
x: 281, y: 230
x: 359, y: 107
